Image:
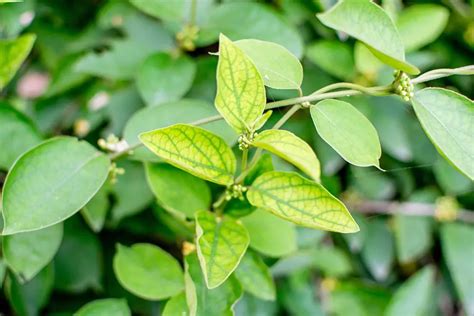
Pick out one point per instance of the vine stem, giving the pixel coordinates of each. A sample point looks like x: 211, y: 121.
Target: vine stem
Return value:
x: 404, y: 208
x: 327, y: 93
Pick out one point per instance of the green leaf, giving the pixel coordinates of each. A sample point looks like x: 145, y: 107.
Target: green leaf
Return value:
x: 164, y: 78
x: 450, y: 180
x: 297, y: 294
x: 263, y: 119
x: 125, y: 56
x: 421, y: 24
x: 55, y: 191
x: 105, y: 307
x: 412, y: 237
x: 31, y: 297
x: 95, y: 211
x: 183, y: 111
x: 176, y: 306
x: 359, y: 19
x: 378, y: 250
x: 76, y: 273
x: 148, y: 271
x: 162, y: 9
x: 131, y: 192
x: 456, y: 243
x: 194, y: 150
x: 15, y: 126
x: 240, y: 95
x: 413, y: 297
x: 304, y: 202
x: 291, y: 148
x: 447, y: 117
x: 28, y: 253
x: 177, y: 191
x: 269, y: 234
x: 334, y: 57
x: 221, y: 244
x: 255, y: 277
x: 210, y: 302
x: 12, y: 54
x: 228, y: 18
x: 282, y: 71
x: 348, y: 131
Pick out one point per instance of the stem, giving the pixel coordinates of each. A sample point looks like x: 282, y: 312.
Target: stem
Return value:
x: 444, y: 72
x: 259, y: 151
x: 245, y: 155
x: 405, y: 208
x: 324, y: 93
x: 192, y: 20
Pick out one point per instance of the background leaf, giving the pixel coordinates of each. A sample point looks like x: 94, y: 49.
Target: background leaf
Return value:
x: 359, y: 19
x: 229, y: 17
x: 105, y: 306
x: 147, y: 271
x: 194, y: 150
x: 457, y: 241
x: 413, y: 296
x: 255, y: 277
x: 12, y: 54
x: 334, y: 57
x: 204, y: 301
x: 421, y: 24
x: 269, y: 234
x: 177, y: 191
x: 52, y: 192
x: 164, y: 78
x: 28, y: 253
x: 17, y: 127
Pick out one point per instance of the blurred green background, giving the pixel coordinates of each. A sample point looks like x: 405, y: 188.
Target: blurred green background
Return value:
x: 108, y: 67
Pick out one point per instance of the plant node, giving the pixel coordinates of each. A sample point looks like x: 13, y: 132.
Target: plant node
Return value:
x: 402, y: 85
x: 114, y: 172
x: 446, y: 209
x: 246, y: 139
x: 113, y: 144
x: 235, y: 191
x: 187, y: 37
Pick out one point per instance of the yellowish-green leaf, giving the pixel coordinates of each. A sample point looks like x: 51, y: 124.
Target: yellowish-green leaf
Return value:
x: 448, y: 119
x: 291, y: 148
x: 221, y: 244
x: 240, y: 90
x: 348, y: 131
x: 302, y: 201
x: 262, y: 120
x: 367, y: 22
x: 12, y: 55
x: 194, y: 150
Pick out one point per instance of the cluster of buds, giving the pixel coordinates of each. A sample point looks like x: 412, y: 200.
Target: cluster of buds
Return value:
x: 306, y: 105
x: 235, y: 191
x: 446, y: 209
x: 246, y: 139
x: 187, y: 37
x: 113, y: 144
x: 403, y: 86
x: 114, y: 172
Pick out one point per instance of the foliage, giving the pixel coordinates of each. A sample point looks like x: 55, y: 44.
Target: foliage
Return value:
x: 243, y: 169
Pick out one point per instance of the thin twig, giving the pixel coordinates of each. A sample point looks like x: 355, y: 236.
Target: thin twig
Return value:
x: 404, y: 208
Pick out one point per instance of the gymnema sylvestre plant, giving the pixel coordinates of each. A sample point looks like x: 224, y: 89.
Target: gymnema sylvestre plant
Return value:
x: 230, y: 147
